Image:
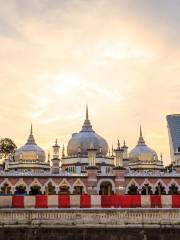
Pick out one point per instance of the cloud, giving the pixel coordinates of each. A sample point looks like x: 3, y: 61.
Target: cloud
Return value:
x: 120, y: 57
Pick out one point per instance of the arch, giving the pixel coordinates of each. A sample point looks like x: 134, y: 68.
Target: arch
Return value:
x: 64, y: 187
x: 109, y: 180
x: 78, y: 187
x: 20, y: 187
x: 35, y: 187
x: 50, y: 187
x: 132, y: 182
x: 146, y: 188
x: 6, y: 187
x: 160, y: 188
x: 173, y: 187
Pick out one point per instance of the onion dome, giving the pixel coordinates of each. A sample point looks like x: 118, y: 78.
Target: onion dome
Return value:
x: 142, y: 152
x: 82, y: 141
x: 30, y: 151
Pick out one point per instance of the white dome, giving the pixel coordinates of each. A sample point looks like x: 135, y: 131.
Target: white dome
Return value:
x: 80, y: 142
x: 142, y: 151
x: 30, y: 151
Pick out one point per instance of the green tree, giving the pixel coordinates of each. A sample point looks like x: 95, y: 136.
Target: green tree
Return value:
x: 7, y: 146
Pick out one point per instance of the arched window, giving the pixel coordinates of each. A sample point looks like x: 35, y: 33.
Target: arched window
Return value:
x: 50, y: 189
x: 105, y: 188
x: 146, y: 190
x: 21, y: 189
x: 64, y: 190
x: 173, y: 189
x: 133, y: 190
x: 6, y: 189
x: 160, y: 190
x: 35, y: 190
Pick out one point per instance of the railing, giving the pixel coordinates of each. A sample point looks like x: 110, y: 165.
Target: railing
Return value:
x: 91, y: 217
x: 90, y: 201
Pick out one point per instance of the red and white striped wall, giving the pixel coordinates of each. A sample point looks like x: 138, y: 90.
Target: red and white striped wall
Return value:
x: 90, y: 201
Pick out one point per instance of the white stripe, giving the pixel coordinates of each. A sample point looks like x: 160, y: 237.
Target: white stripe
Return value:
x: 29, y: 201
x: 145, y: 201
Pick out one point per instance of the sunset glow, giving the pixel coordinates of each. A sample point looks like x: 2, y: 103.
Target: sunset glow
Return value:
x: 122, y: 59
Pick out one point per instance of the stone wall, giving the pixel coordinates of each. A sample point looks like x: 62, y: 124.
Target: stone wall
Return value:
x: 90, y: 224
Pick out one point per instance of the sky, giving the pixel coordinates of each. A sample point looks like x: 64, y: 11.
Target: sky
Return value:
x: 122, y: 58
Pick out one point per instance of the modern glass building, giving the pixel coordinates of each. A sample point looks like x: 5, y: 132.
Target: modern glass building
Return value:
x: 173, y: 122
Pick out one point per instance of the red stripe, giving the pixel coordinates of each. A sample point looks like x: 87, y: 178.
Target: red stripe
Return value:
x: 85, y: 201
x: 106, y: 201
x: 18, y: 201
x: 41, y: 201
x: 64, y: 201
x: 175, y: 201
x: 155, y: 201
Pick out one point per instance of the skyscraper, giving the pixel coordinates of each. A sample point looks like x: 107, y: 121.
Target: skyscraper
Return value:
x: 174, y: 136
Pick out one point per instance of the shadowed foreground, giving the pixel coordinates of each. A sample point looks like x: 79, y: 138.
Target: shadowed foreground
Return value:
x: 88, y: 234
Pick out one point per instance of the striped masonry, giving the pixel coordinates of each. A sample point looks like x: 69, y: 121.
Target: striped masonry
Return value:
x: 90, y: 201
x: 5, y: 201
x: 41, y: 201
x: 64, y: 201
x: 85, y: 201
x: 29, y: 201
x: 53, y: 201
x: 75, y: 201
x: 145, y: 201
x: 95, y: 201
x: 166, y: 201
x: 18, y: 201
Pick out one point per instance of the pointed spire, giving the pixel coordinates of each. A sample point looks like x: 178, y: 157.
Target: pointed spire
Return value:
x: 31, y: 137
x: 112, y: 151
x: 87, y: 127
x: 118, y: 145
x: 31, y: 131
x: 140, y: 131
x: 63, y: 151
x: 141, y: 139
x: 87, y: 112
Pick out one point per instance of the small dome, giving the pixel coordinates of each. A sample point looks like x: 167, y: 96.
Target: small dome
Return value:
x: 30, y: 151
x: 142, y: 152
x: 80, y: 142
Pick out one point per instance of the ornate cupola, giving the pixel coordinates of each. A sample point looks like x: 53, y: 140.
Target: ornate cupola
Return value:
x: 30, y: 151
x: 142, y: 151
x: 81, y: 142
x: 143, y: 157
x: 29, y: 157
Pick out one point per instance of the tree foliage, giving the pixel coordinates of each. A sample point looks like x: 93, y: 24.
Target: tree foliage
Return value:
x: 7, y: 146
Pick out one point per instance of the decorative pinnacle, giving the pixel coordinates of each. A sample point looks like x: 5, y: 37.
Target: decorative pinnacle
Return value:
x: 31, y: 131
x: 31, y: 137
x: 87, y: 112
x: 140, y: 131
x: 118, y: 144
x: 87, y: 127
x: 141, y: 139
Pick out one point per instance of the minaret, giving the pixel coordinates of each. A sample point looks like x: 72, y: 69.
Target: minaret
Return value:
x: 118, y: 159
x: 31, y: 137
x: 125, y: 149
x: 56, y: 159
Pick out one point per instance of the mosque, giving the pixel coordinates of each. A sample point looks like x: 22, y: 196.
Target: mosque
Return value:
x: 89, y: 168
